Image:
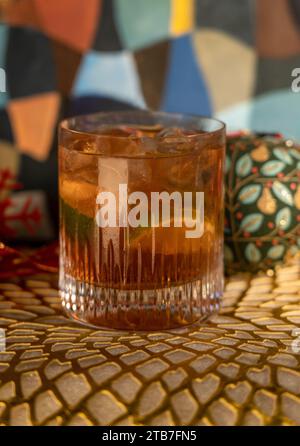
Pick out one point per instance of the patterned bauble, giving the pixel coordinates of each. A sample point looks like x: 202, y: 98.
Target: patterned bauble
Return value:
x: 262, y: 204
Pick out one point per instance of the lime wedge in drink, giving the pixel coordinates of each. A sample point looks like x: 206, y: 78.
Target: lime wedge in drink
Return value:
x: 170, y: 239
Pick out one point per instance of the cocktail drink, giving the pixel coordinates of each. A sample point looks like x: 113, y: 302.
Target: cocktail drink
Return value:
x: 141, y: 219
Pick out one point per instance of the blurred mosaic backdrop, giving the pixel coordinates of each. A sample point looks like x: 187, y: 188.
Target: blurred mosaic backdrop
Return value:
x: 231, y: 59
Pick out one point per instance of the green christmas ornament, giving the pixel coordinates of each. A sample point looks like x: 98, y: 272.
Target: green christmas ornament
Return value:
x: 262, y: 201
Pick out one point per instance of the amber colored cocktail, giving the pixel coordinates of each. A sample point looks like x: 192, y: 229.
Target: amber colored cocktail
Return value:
x: 141, y: 219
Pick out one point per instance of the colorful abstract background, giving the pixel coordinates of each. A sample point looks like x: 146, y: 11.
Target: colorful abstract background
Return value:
x: 232, y: 59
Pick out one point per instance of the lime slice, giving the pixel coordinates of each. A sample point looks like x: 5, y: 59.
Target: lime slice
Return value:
x: 76, y: 225
x: 79, y: 195
x: 169, y: 240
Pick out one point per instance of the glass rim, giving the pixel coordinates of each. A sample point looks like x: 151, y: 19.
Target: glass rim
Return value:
x: 214, y: 128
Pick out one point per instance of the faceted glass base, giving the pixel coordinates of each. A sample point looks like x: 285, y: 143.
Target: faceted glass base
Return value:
x: 157, y: 309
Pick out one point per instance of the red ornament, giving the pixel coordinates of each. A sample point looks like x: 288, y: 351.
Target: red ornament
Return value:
x: 16, y: 263
x: 29, y: 217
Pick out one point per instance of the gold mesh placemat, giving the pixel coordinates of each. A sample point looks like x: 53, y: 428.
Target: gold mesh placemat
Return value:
x: 239, y: 368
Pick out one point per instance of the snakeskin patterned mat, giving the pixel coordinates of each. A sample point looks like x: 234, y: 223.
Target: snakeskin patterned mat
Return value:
x: 239, y: 368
